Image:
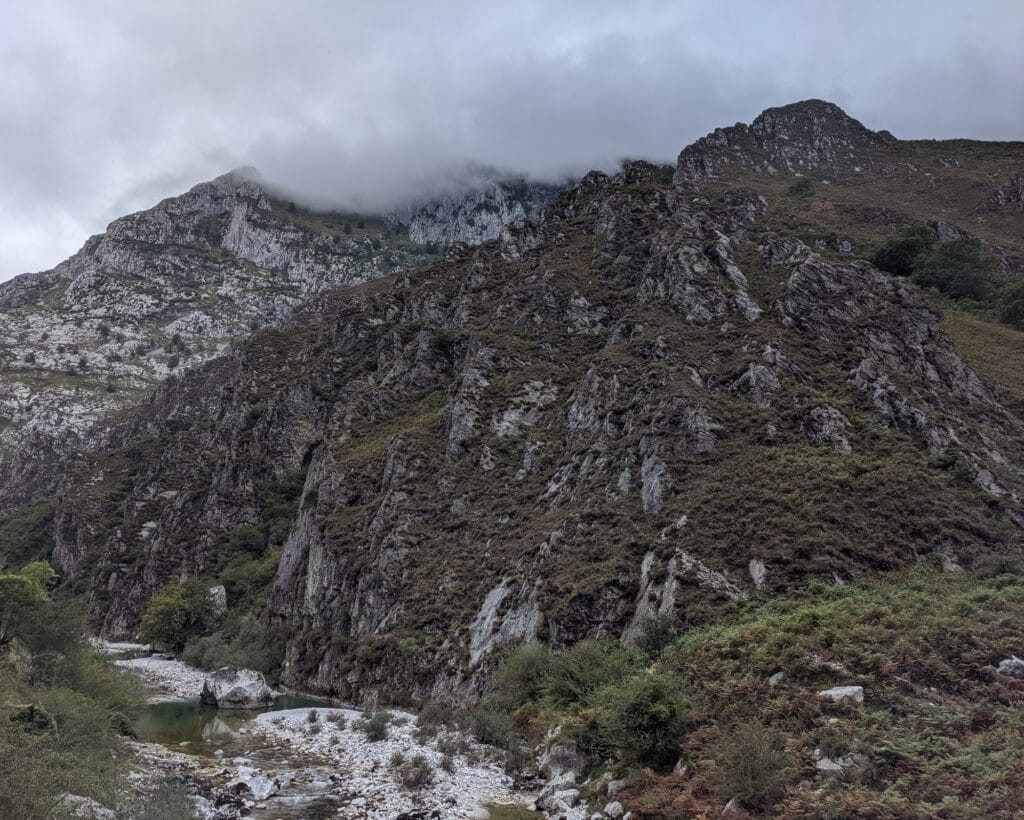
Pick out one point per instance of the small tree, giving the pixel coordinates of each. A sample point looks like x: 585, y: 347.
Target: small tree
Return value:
x: 958, y: 269
x: 898, y: 252
x: 1011, y: 305
x: 179, y: 612
x: 40, y: 573
x: 643, y: 719
x: 657, y: 633
x: 21, y: 601
x: 752, y: 766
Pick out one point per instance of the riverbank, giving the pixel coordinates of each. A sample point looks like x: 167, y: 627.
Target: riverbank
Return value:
x: 278, y: 764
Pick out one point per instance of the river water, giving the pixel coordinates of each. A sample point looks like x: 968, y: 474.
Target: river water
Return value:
x: 285, y: 763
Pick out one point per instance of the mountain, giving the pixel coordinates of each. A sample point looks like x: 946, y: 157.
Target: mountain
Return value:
x: 679, y: 392
x: 167, y: 289
x: 641, y: 399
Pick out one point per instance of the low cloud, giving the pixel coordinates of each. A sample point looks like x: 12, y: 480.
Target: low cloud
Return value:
x: 109, y: 106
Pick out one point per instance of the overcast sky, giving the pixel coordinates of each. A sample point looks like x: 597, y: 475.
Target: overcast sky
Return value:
x: 106, y: 107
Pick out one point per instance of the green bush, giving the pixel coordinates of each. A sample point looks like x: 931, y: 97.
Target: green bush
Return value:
x: 26, y: 534
x: 1011, y: 304
x: 802, y: 187
x: 520, y: 674
x: 958, y: 269
x: 752, y: 767
x: 576, y: 674
x: 657, y: 633
x: 416, y: 773
x: 375, y: 726
x: 490, y: 724
x: 643, y: 719
x: 898, y: 252
x: 435, y: 714
x: 177, y: 613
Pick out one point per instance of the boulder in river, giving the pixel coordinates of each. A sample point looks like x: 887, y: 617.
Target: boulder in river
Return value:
x: 235, y: 689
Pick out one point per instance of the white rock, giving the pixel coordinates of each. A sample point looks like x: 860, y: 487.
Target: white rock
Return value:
x: 776, y: 679
x: 843, y: 694
x: 614, y: 809
x: 85, y: 808
x: 1012, y: 667
x: 235, y: 689
x: 219, y: 598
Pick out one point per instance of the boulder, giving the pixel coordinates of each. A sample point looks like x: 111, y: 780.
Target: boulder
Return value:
x: 827, y: 765
x: 844, y: 694
x: 235, y: 689
x: 83, y: 808
x: 614, y: 810
x: 1012, y: 667
x: 219, y: 599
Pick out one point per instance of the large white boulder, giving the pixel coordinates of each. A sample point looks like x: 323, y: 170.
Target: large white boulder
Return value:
x: 844, y: 694
x: 1012, y: 667
x: 235, y: 689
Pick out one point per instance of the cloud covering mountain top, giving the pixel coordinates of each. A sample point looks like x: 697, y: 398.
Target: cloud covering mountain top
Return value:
x: 109, y: 106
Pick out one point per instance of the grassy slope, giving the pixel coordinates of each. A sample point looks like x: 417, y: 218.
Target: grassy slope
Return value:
x: 939, y: 730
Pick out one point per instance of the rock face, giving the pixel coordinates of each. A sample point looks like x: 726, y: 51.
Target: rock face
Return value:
x: 1006, y: 197
x: 475, y: 216
x: 235, y: 689
x: 549, y: 437
x: 170, y: 288
x: 795, y: 138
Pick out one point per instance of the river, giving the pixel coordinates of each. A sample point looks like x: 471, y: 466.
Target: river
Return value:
x: 307, y: 758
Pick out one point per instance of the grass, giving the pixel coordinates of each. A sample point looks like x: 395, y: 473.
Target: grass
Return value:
x: 994, y: 350
x: 937, y: 721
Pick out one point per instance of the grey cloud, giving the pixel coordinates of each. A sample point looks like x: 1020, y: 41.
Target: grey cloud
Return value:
x: 109, y: 106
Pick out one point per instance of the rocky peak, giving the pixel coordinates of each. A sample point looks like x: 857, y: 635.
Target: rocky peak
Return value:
x: 795, y: 138
x: 171, y: 287
x: 473, y: 216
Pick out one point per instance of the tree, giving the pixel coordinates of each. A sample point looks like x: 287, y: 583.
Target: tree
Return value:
x: 657, y: 633
x: 957, y: 268
x: 179, y: 612
x: 21, y: 602
x: 40, y: 573
x: 643, y: 718
x: 898, y: 252
x: 1011, y: 305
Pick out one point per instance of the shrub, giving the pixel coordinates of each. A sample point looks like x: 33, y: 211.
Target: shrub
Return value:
x: 752, y: 767
x: 898, y: 252
x: 435, y: 714
x: 656, y: 634
x: 22, y: 606
x: 957, y: 269
x: 643, y: 718
x: 1011, y: 305
x: 178, y: 612
x: 520, y: 675
x: 576, y: 674
x: 416, y: 773
x: 992, y: 566
x: 490, y: 724
x: 802, y: 187
x: 375, y: 726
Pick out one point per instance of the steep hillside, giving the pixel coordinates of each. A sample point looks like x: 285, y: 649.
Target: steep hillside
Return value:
x: 644, y: 400
x: 167, y: 289
x: 642, y: 477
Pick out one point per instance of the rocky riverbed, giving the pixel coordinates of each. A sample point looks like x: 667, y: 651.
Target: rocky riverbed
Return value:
x: 311, y: 760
